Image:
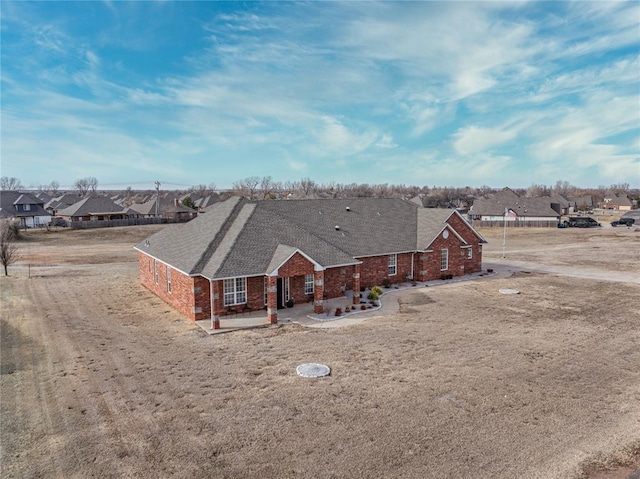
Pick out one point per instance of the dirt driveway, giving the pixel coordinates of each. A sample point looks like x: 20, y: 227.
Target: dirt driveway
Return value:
x: 102, y: 379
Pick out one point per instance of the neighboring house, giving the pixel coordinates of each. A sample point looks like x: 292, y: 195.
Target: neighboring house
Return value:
x: 93, y: 208
x: 580, y: 203
x: 61, y: 202
x: 616, y: 201
x: 516, y: 210
x: 205, y: 202
x: 164, y: 208
x: 243, y: 255
x: 24, y: 207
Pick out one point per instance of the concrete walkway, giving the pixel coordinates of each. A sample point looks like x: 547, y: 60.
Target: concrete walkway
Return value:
x: 303, y: 314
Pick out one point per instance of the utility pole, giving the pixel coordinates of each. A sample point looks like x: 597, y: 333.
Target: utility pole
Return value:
x: 157, y: 196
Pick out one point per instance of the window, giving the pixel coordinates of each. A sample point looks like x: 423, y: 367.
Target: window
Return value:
x: 287, y: 290
x: 235, y: 291
x: 393, y: 261
x: 155, y: 270
x: 266, y: 290
x: 308, y: 284
x: 444, y: 259
x: 168, y: 279
x: 27, y: 207
x: 469, y: 253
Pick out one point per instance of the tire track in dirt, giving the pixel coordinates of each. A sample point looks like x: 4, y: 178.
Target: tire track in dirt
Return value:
x: 100, y: 373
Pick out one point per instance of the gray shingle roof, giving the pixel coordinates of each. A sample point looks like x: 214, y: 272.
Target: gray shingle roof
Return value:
x: 240, y: 238
x: 91, y: 205
x: 10, y: 199
x: 522, y: 206
x: 431, y: 221
x: 165, y: 205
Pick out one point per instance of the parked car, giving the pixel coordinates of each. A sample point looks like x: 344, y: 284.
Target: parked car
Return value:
x: 563, y: 224
x: 582, y: 222
x: 623, y: 222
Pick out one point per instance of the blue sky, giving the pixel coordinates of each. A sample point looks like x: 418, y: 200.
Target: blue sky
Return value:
x: 424, y: 93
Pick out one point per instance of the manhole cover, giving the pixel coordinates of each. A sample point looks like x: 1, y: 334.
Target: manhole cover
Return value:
x: 509, y: 291
x: 313, y: 370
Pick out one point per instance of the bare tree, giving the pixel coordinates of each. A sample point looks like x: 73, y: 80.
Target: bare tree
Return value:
x: 268, y: 187
x: 93, y: 183
x: 10, y: 184
x: 82, y: 186
x: 8, y: 245
x: 54, y: 188
x: 563, y: 187
x: 307, y: 186
x: 247, y: 187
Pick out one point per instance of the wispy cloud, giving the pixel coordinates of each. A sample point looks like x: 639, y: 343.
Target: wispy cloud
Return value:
x: 434, y: 92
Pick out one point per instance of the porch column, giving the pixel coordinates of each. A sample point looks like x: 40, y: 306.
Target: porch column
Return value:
x: 272, y: 299
x: 318, y: 292
x: 356, y: 284
x: 215, y: 298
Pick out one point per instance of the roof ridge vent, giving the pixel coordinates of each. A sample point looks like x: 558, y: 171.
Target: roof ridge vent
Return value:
x: 348, y: 208
x: 337, y: 227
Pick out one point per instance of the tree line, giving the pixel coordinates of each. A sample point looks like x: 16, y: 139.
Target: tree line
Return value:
x: 265, y: 188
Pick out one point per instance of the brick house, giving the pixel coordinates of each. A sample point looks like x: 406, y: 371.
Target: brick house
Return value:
x: 241, y: 255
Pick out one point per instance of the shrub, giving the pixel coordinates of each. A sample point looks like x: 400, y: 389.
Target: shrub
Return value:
x: 347, y: 309
x: 338, y: 311
x: 363, y: 307
x: 386, y: 283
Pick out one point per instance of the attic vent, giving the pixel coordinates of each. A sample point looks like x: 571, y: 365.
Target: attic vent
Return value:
x: 320, y: 212
x: 337, y: 227
x: 146, y: 242
x: 343, y: 234
x: 348, y: 208
x: 378, y: 213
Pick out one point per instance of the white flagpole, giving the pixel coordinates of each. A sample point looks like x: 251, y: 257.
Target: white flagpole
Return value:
x: 504, y: 238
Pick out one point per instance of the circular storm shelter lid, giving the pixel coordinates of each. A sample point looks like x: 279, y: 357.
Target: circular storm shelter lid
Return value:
x: 509, y: 291
x: 313, y: 370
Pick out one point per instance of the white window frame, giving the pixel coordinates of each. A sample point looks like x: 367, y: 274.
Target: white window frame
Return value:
x: 235, y: 291
x: 469, y: 253
x: 266, y: 290
x: 287, y: 290
x: 392, y: 265
x: 444, y: 259
x: 155, y: 270
x: 27, y: 207
x: 168, y: 279
x: 308, y: 283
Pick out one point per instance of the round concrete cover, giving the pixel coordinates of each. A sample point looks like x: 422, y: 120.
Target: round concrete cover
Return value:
x: 313, y: 370
x: 509, y: 291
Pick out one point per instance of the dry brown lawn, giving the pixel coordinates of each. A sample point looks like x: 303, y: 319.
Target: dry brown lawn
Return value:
x: 102, y: 379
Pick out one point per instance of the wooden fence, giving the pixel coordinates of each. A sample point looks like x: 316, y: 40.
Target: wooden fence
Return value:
x: 516, y: 224
x: 125, y: 222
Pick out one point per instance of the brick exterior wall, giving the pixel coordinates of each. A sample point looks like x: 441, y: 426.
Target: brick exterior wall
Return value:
x: 374, y: 270
x: 191, y: 295
x: 186, y: 292
x: 427, y: 267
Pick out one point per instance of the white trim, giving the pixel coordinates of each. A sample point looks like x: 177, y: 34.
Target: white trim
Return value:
x: 235, y: 291
x: 191, y: 275
x: 384, y: 254
x: 394, y: 265
x: 447, y: 258
x: 316, y: 266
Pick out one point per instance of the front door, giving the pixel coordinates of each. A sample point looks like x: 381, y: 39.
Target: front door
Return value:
x: 280, y: 293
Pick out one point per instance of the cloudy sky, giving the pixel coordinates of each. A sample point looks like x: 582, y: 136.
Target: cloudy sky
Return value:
x: 424, y: 93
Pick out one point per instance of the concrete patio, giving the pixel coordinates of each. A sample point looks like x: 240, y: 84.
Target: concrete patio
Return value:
x: 303, y: 314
